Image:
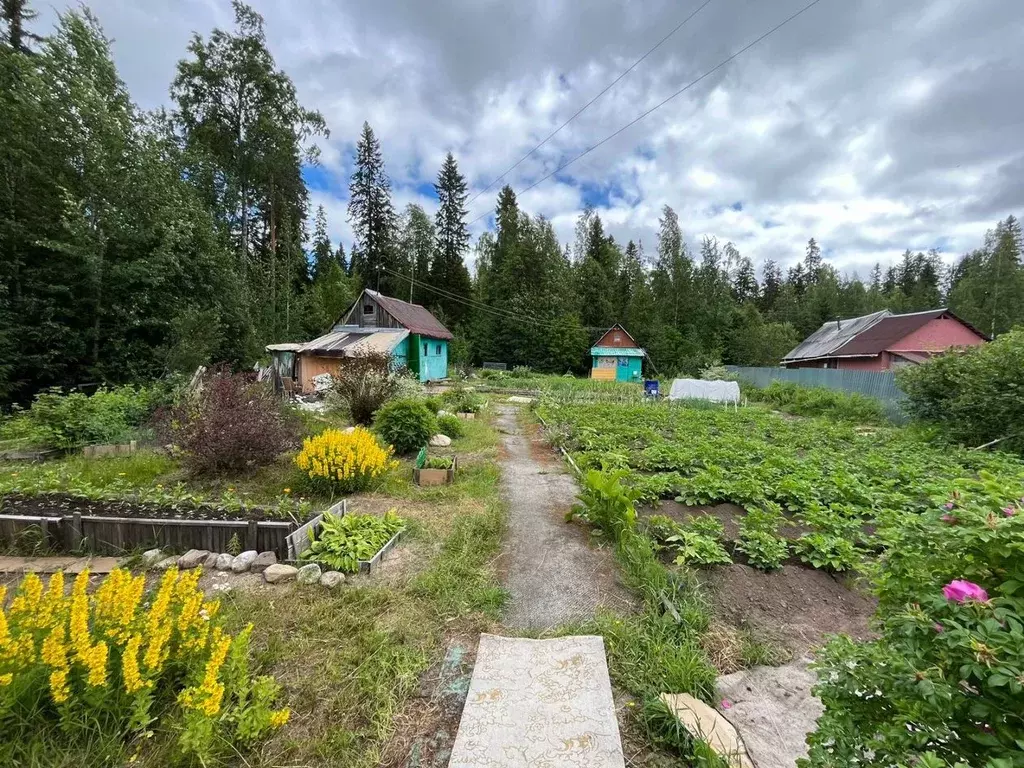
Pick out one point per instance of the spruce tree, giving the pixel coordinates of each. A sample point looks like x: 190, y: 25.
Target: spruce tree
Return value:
x: 322, y: 255
x: 372, y: 217
x: 448, y: 271
x: 15, y: 15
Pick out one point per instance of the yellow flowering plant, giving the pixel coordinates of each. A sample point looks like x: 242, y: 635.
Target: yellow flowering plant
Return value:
x: 119, y: 660
x: 344, y: 461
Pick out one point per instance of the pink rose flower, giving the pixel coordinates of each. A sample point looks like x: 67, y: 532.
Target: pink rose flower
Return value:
x: 962, y: 591
x: 1009, y: 511
x: 726, y: 704
x: 949, y: 519
x: 950, y: 505
x: 938, y: 627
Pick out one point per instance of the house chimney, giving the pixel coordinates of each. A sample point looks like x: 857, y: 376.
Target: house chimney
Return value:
x: 839, y: 324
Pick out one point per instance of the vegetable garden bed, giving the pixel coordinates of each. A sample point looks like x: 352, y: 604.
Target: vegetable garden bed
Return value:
x: 72, y: 523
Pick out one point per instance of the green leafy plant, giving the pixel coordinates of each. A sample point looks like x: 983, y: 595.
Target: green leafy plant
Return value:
x: 828, y: 551
x: 696, y: 542
x: 406, y: 424
x: 438, y: 462
x: 450, y: 425
x: 461, y: 399
x: 819, y: 401
x: 234, y: 547
x: 72, y: 419
x: 364, y: 383
x: 949, y: 658
x: 973, y: 394
x: 343, y: 541
x: 759, y: 539
x: 606, y: 503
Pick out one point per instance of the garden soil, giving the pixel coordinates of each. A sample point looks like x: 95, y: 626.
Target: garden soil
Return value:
x: 795, y: 606
x: 552, y: 572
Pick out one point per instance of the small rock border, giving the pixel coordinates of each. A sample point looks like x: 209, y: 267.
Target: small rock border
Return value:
x: 249, y: 561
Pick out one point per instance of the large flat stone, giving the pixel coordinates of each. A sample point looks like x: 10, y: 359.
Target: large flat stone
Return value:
x: 708, y: 725
x: 278, y: 573
x: 539, y: 702
x: 773, y: 710
x: 193, y: 558
x: 263, y: 561
x: 244, y: 560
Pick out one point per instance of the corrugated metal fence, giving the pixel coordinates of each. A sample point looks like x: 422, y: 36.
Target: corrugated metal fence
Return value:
x: 879, y: 385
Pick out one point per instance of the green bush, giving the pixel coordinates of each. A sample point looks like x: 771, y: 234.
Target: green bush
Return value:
x: 462, y: 400
x: 73, y: 419
x: 450, y: 425
x: 819, y: 401
x: 975, y: 395
x: 947, y: 670
x: 406, y: 424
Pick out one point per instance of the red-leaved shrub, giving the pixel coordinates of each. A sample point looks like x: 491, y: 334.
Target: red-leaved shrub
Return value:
x: 232, y: 424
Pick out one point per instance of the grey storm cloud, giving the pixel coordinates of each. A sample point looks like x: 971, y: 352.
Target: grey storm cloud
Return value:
x: 871, y: 125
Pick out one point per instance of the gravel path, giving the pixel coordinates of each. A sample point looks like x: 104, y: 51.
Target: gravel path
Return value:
x: 553, y: 575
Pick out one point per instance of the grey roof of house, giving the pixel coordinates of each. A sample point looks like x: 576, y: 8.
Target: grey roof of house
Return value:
x: 355, y: 341
x: 832, y: 335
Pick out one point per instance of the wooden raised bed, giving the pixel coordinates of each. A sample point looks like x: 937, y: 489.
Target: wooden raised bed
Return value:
x: 425, y: 476
x: 115, y: 535
x: 299, y: 541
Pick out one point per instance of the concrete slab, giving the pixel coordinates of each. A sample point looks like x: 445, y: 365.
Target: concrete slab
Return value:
x: 773, y: 710
x: 708, y: 725
x: 539, y: 702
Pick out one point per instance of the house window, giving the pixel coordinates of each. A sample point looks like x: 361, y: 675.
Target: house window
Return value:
x: 438, y: 350
x: 618, y: 337
x: 367, y: 309
x: 425, y: 349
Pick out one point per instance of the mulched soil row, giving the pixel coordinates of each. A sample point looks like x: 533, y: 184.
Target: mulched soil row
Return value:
x: 61, y: 504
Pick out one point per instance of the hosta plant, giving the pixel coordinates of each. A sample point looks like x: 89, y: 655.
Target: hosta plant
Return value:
x: 343, y: 541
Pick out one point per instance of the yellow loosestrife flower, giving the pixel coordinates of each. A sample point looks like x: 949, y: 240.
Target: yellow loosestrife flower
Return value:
x: 55, y: 656
x: 342, y: 457
x: 133, y: 681
x: 279, y: 717
x: 24, y: 605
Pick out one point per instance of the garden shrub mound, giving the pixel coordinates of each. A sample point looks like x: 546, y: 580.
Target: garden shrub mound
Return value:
x: 234, y: 424
x: 974, y: 394
x: 405, y: 424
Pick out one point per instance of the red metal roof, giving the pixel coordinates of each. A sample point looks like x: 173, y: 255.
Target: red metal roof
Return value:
x: 414, y: 317
x: 889, y: 330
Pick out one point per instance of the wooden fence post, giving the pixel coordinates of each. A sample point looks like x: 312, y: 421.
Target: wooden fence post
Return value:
x: 75, y: 534
x: 250, y: 535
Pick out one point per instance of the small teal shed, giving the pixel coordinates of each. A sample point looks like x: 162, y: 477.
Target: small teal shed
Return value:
x: 616, y: 356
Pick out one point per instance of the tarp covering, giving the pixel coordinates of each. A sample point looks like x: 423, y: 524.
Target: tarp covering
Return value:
x: 698, y: 389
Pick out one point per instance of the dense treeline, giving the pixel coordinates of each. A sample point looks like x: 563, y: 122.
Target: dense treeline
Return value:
x: 133, y: 244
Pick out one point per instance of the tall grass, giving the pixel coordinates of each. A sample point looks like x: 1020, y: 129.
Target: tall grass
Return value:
x: 819, y: 401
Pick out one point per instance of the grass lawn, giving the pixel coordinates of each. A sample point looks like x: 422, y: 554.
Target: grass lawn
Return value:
x: 350, y: 659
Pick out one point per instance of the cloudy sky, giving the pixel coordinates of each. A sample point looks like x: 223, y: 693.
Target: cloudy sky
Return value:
x: 871, y: 125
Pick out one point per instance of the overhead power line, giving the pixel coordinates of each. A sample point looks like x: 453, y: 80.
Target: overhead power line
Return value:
x: 480, y: 306
x: 584, y: 108
x: 659, y: 105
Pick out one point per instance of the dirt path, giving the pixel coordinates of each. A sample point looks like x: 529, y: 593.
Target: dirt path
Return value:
x: 553, y: 575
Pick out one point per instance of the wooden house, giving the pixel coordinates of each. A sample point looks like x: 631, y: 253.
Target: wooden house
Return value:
x: 882, y: 341
x: 374, y: 323
x: 616, y: 356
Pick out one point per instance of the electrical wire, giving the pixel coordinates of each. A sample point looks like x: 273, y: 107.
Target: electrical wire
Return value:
x: 682, y: 90
x: 477, y: 305
x: 582, y: 109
